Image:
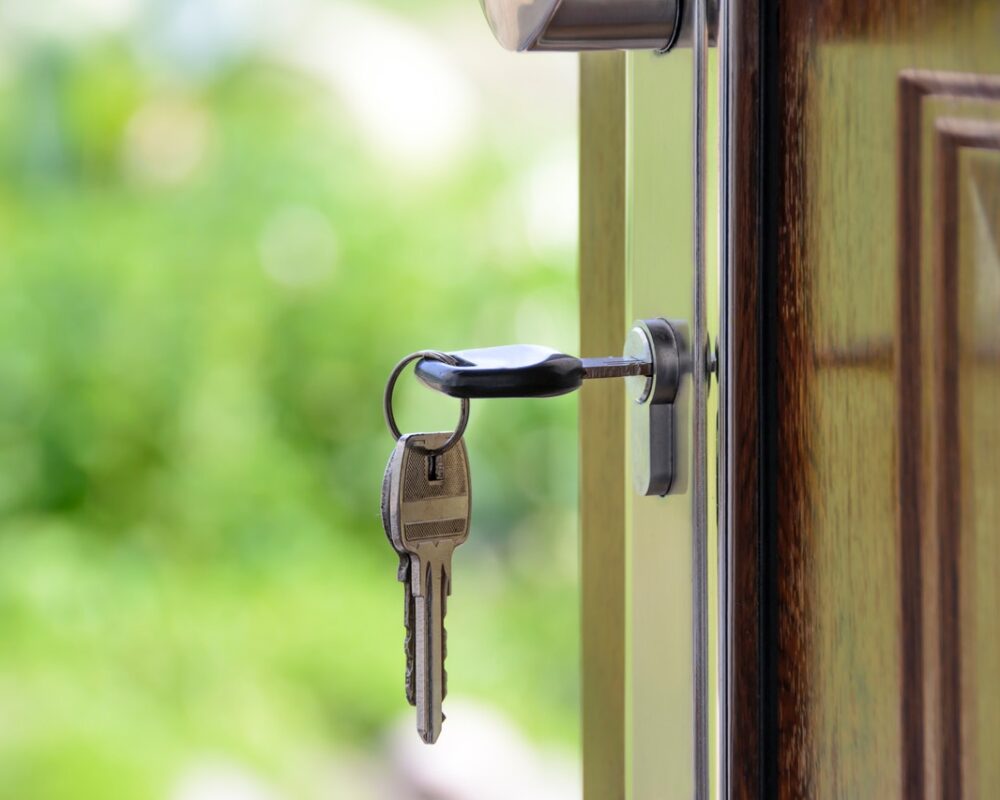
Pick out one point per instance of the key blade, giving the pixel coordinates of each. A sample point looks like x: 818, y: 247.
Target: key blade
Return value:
x: 430, y: 653
x: 615, y: 367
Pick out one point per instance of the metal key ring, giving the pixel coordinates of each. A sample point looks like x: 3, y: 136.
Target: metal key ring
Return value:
x: 390, y: 418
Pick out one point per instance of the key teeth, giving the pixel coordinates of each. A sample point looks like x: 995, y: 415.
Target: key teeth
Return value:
x: 409, y: 645
x: 444, y: 638
x: 444, y: 656
x: 411, y: 690
x: 411, y: 679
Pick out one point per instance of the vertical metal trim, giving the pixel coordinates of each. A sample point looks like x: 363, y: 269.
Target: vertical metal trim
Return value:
x: 699, y: 494
x: 724, y: 374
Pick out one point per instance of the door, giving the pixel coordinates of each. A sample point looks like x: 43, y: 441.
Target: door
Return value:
x: 864, y: 300
x: 853, y: 569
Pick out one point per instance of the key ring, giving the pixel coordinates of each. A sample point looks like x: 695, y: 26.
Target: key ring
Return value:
x: 390, y: 418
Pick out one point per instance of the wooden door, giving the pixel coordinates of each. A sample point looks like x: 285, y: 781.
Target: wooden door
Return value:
x: 856, y: 603
x: 863, y: 480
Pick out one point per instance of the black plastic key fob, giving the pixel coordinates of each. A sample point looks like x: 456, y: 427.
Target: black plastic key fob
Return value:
x: 520, y: 370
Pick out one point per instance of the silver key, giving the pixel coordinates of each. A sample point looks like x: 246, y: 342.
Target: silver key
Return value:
x: 403, y: 576
x: 429, y: 505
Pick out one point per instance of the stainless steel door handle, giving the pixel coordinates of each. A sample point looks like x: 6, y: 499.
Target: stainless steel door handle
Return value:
x: 593, y: 24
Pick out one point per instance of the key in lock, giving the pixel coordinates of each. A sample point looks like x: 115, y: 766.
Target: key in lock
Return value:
x: 656, y: 358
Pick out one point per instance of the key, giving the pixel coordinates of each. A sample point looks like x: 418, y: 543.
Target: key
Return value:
x: 403, y: 576
x: 522, y: 370
x: 428, y: 502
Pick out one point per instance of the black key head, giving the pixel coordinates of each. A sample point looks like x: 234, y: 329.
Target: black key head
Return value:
x: 519, y: 370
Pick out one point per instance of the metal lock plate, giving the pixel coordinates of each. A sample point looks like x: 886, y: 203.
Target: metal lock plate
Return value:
x: 654, y: 445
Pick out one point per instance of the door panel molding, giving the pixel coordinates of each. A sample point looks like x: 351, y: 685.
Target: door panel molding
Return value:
x: 952, y: 428
x: 927, y: 536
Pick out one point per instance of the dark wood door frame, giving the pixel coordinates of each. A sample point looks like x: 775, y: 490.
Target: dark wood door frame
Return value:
x: 748, y: 743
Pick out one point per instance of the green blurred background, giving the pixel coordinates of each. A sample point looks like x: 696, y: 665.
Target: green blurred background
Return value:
x: 221, y: 223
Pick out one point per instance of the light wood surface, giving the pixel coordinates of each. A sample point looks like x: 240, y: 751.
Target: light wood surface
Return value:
x: 602, y: 423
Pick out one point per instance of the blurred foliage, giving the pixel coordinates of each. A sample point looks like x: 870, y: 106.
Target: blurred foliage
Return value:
x: 194, y: 346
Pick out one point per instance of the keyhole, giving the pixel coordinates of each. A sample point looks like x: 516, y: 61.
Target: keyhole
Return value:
x: 435, y: 471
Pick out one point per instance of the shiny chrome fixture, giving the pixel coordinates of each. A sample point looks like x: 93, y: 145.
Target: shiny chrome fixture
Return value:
x: 593, y: 24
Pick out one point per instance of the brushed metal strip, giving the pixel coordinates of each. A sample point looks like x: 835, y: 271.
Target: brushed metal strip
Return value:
x: 700, y: 374
x: 725, y: 377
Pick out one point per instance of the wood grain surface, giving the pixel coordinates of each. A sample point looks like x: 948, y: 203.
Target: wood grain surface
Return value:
x: 864, y: 578
x: 740, y: 548
x: 602, y: 423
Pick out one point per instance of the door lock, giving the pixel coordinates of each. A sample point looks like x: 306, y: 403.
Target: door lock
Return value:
x: 654, y: 360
